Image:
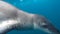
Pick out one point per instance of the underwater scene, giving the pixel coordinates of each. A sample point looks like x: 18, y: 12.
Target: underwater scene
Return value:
x: 48, y: 8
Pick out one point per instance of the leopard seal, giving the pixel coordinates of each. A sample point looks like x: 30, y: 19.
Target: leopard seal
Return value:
x: 13, y: 18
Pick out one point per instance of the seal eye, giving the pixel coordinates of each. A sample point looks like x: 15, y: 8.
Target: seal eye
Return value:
x: 45, y: 26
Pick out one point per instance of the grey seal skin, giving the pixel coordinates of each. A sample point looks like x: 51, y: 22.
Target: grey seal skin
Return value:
x: 13, y: 18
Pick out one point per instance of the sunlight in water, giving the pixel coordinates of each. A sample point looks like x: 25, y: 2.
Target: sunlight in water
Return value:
x: 21, y: 0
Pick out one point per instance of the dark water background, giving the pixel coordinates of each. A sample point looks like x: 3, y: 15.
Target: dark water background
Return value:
x: 48, y: 8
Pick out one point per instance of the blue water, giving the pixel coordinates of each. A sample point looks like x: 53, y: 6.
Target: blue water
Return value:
x: 48, y: 8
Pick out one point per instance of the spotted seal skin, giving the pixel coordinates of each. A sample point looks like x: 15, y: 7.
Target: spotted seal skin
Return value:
x: 12, y: 18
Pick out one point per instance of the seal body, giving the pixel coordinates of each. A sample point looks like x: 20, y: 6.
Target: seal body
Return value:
x: 13, y: 18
